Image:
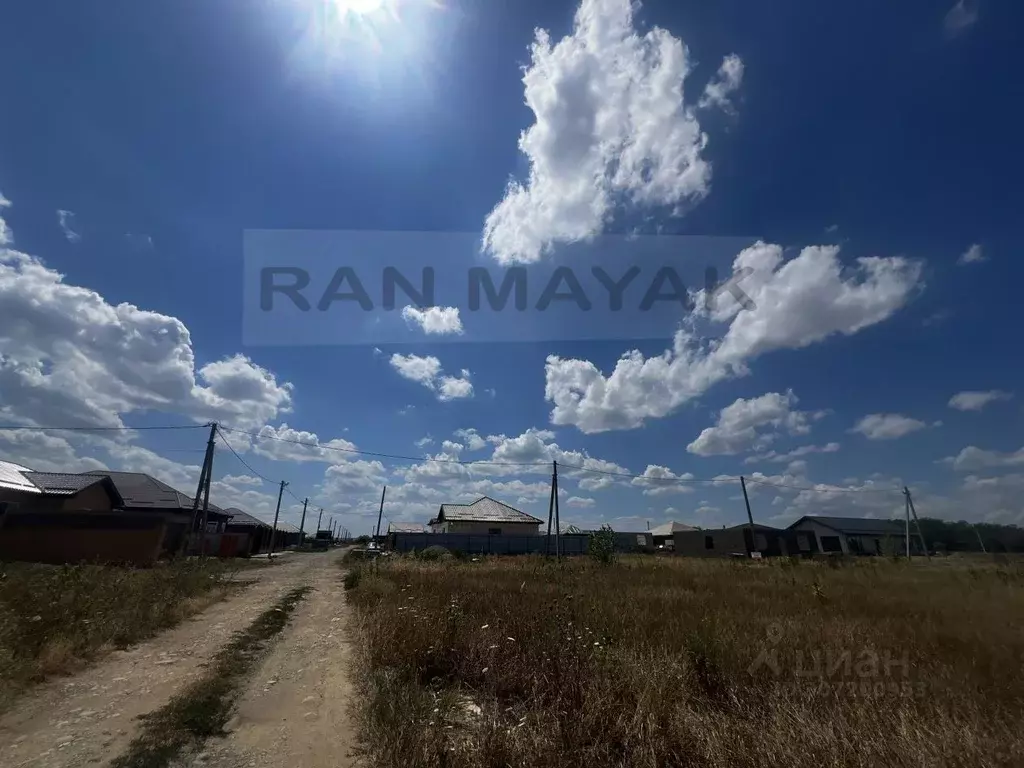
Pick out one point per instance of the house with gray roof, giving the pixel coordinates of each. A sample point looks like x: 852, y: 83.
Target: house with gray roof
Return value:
x: 853, y: 536
x: 485, y: 516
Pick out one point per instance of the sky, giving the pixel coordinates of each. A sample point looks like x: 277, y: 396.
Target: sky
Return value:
x: 205, y: 205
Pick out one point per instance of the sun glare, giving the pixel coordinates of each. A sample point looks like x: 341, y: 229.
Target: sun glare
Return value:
x: 357, y: 7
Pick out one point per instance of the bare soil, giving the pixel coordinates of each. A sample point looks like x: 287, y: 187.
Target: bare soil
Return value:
x: 89, y: 719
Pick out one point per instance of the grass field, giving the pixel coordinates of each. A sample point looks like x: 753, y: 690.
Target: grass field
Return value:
x: 55, y: 618
x: 681, y: 662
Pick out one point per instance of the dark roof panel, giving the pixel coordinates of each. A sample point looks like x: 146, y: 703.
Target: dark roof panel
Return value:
x: 485, y: 510
x: 855, y: 525
x: 61, y: 483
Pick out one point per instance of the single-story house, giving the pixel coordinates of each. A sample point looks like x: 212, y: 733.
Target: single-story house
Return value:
x: 484, y: 516
x: 258, y: 531
x: 664, y: 535
x: 68, y: 518
x: 853, y: 536
x: 406, y: 528
x: 734, y: 540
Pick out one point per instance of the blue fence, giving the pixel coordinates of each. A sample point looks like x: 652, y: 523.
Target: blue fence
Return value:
x: 476, y: 544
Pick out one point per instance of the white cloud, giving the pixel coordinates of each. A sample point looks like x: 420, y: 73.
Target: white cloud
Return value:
x: 887, y: 426
x: 66, y: 221
x: 471, y: 439
x: 423, y: 442
x: 6, y: 238
x: 452, y: 448
x: 972, y: 458
x: 722, y: 85
x: 68, y: 357
x: 282, y: 443
x: 797, y: 303
x: 434, y: 320
x: 659, y: 481
x: 975, y: 401
x: 803, y: 450
x: 961, y: 17
x: 973, y: 255
x: 428, y: 372
x: 740, y: 426
x: 610, y: 125
x: 242, y: 480
x: 581, y: 502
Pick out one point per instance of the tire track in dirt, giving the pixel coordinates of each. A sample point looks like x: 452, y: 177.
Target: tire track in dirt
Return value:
x: 296, y: 711
x: 90, y: 718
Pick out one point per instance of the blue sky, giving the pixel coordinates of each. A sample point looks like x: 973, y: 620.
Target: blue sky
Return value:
x: 862, y: 161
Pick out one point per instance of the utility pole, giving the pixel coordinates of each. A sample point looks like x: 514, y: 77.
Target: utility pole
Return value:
x: 302, y: 523
x: 273, y: 535
x: 917, y: 523
x: 206, y: 505
x: 558, y: 526
x: 319, y: 518
x: 551, y: 510
x: 203, y: 474
x: 750, y: 516
x: 906, y: 528
x: 380, y: 514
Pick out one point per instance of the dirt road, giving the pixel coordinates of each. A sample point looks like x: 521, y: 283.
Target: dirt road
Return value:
x: 293, y: 712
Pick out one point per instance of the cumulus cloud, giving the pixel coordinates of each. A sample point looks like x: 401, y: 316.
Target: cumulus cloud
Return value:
x: 69, y: 357
x: 741, y: 426
x: 610, y: 125
x: 283, y: 443
x: 723, y: 84
x: 580, y: 502
x: 971, y: 459
x: 434, y: 320
x: 66, y: 222
x: 782, y: 458
x: 428, y: 372
x: 973, y: 255
x: 6, y: 238
x: 975, y: 401
x: 887, y: 426
x: 471, y: 439
x: 796, y: 303
x: 659, y: 481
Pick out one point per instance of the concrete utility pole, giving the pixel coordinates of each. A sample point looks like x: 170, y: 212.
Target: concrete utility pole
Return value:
x: 978, y: 534
x: 302, y: 523
x: 750, y: 517
x: 319, y: 518
x: 204, y: 474
x: 558, y: 525
x: 273, y: 535
x: 380, y: 513
x: 551, y: 507
x: 917, y: 523
x: 906, y: 527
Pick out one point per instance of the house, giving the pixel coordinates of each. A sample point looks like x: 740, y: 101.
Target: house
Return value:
x: 852, y: 536
x: 257, y: 531
x: 144, y: 494
x: 484, y: 516
x: 731, y: 541
x: 663, y: 535
x: 53, y: 517
x: 406, y: 528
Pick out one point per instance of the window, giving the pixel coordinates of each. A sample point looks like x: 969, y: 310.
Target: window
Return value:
x: 494, y: 531
x: 831, y: 544
x: 709, y: 542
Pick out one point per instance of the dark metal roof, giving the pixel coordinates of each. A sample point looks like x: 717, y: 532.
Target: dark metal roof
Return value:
x: 406, y: 528
x: 485, y: 510
x: 61, y: 483
x: 238, y: 517
x: 855, y: 525
x: 142, y: 491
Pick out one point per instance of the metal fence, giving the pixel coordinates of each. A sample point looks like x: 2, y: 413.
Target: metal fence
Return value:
x: 477, y: 544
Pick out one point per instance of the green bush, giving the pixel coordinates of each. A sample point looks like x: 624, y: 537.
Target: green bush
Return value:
x: 602, y: 545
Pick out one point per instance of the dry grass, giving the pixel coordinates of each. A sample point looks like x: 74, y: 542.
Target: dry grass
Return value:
x: 53, y: 619
x: 654, y: 662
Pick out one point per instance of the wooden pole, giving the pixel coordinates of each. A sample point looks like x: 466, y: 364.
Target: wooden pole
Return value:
x: 917, y: 523
x: 750, y: 517
x: 273, y: 534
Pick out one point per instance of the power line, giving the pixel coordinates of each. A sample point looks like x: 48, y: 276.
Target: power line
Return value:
x: 243, y: 461
x: 9, y: 427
